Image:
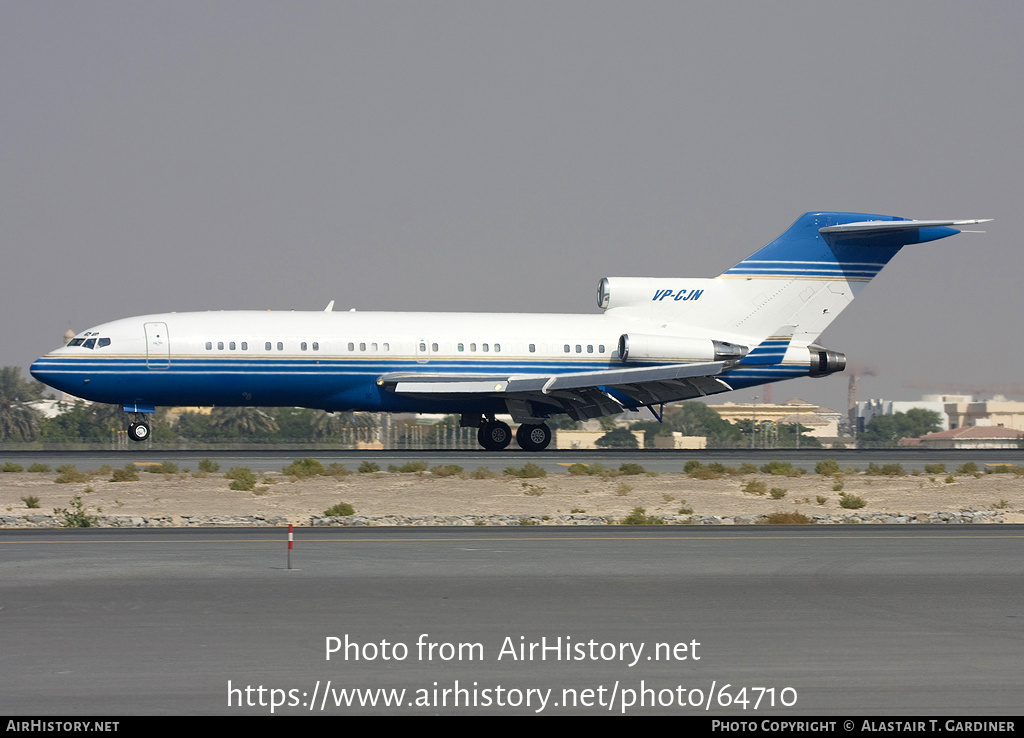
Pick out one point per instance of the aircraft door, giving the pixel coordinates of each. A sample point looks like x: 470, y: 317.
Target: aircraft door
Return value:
x: 422, y: 351
x: 158, y: 347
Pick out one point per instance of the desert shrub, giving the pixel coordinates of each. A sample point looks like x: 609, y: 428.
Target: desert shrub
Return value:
x: 527, y: 471
x: 129, y: 473
x: 166, y: 467
x: 685, y: 509
x: 755, y: 487
x: 787, y: 518
x: 578, y: 470
x: 885, y: 470
x: 967, y: 468
x: 639, y: 516
x: 303, y: 468
x: 935, y: 468
x: 821, y: 499
x: 209, y: 466
x: 631, y: 469
x: 67, y: 473
x: 76, y: 517
x: 342, y: 509
x: 31, y: 501
x: 691, y: 466
x: 335, y: 470
x: 837, y: 486
x: 39, y: 468
x: 242, y: 478
x: 706, y: 472
x: 999, y: 505
x: 10, y: 466
x: 409, y: 467
x: 851, y: 502
x: 482, y: 472
x: 781, y: 469
x: 446, y: 470
x: 777, y: 493
x: 827, y: 468
x: 368, y: 467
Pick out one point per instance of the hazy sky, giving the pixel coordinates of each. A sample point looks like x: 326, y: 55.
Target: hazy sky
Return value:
x: 162, y: 156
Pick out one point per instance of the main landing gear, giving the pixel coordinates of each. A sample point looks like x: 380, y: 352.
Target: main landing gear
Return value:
x: 495, y: 435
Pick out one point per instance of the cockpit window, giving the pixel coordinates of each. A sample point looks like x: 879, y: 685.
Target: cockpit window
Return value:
x: 90, y: 343
x: 103, y: 342
x: 76, y: 342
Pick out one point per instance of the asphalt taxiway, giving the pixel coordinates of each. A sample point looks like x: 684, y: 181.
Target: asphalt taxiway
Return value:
x: 880, y: 620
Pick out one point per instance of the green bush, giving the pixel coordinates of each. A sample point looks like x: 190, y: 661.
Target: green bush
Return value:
x: 342, y: 509
x: 527, y: 471
x: 781, y: 469
x: 31, y: 501
x: 129, y: 474
x: 827, y: 468
x: 410, y: 467
x: 787, y: 518
x: 335, y: 470
x: 242, y: 478
x: 969, y: 468
x: 37, y: 468
x: 755, y: 487
x: 482, y: 472
x: 691, y: 466
x: 935, y: 468
x: 777, y: 493
x: 446, y: 470
x: 885, y: 470
x: 68, y: 473
x: 639, y: 516
x: 10, y: 466
x: 165, y: 468
x: 632, y: 469
x: 851, y: 502
x: 209, y: 466
x: 368, y: 467
x: 303, y: 468
x: 76, y: 517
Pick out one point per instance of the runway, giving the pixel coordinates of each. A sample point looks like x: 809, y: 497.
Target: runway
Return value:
x: 843, y: 620
x: 661, y: 461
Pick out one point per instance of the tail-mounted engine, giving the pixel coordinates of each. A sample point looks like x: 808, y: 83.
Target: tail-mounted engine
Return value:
x: 640, y: 347
x: 825, y: 361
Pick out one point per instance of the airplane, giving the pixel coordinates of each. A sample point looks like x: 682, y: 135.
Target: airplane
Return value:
x: 657, y: 340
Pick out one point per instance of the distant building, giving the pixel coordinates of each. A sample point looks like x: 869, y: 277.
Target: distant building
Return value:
x: 970, y: 437
x: 585, y: 439
x: 823, y: 421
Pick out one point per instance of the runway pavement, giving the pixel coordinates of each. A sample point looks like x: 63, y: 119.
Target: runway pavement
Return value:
x: 880, y: 620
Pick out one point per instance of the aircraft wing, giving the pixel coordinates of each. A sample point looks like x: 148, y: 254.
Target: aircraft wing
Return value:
x: 579, y: 394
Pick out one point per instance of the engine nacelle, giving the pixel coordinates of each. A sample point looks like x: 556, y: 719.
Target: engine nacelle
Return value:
x: 825, y: 361
x: 663, y: 292
x: 641, y: 347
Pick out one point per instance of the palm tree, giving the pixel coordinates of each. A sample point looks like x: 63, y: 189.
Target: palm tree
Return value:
x: 17, y: 419
x: 243, y: 421
x: 328, y: 425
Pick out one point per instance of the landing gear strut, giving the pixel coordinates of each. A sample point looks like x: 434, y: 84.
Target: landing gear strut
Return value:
x: 532, y: 437
x: 494, y: 435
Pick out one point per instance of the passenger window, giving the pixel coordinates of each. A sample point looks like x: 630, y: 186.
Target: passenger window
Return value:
x: 462, y: 347
x: 600, y: 348
x: 387, y: 346
x: 231, y: 345
x: 220, y: 345
x: 316, y: 346
x: 566, y: 348
x: 267, y: 346
x: 302, y: 345
x: 362, y: 347
x: 209, y: 345
x: 533, y: 348
x: 579, y: 349
x: 423, y: 346
x: 472, y: 347
x: 497, y: 347
x: 280, y: 346
x: 351, y: 347
x: 590, y: 348
x: 245, y: 346
x: 485, y: 347
x: 433, y: 347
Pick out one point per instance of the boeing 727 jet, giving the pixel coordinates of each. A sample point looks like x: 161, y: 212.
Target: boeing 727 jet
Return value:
x: 657, y: 340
